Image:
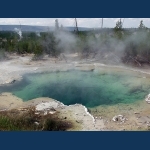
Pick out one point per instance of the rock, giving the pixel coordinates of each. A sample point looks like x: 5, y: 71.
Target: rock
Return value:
x: 136, y: 113
x: 52, y: 109
x: 12, y: 81
x: 115, y: 118
x: 22, y: 109
x: 3, y: 109
x: 148, y: 99
x: 148, y: 125
x: 45, y: 113
x: 37, y: 113
x: 52, y: 112
x: 119, y: 118
x: 80, y: 121
x: 36, y: 123
x: 77, y: 121
x: 52, y: 105
x: 9, y: 81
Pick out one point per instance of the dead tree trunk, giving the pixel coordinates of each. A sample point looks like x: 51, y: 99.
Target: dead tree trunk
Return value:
x: 76, y: 25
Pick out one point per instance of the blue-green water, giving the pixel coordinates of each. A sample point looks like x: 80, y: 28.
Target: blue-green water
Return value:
x: 88, y: 88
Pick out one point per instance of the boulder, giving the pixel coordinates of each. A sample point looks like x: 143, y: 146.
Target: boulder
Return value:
x: 148, y: 99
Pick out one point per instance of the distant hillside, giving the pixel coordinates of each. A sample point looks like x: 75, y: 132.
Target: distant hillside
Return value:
x: 29, y: 28
x: 37, y: 28
x: 24, y: 28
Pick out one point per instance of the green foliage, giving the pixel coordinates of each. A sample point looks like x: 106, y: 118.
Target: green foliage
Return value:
x: 131, y: 49
x: 118, y: 30
x: 31, y: 43
x: 142, y: 26
x: 5, y: 123
x: 50, y: 45
x: 132, y: 43
x: 38, y: 51
x: 118, y: 25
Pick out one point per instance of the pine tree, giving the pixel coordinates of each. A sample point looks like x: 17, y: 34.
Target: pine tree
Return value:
x: 142, y: 26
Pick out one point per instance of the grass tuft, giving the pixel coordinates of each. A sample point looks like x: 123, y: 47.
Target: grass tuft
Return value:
x: 16, y: 120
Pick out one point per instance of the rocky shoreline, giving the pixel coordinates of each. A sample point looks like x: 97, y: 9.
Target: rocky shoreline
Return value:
x: 77, y: 114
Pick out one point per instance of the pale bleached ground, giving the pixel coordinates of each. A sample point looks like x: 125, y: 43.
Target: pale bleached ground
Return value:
x: 137, y: 115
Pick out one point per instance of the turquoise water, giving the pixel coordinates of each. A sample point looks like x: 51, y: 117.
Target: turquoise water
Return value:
x: 91, y: 89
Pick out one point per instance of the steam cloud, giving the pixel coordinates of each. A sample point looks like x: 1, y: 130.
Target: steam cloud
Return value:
x: 19, y: 32
x: 104, y: 46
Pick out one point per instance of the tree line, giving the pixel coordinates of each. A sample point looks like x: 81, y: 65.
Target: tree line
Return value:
x: 131, y: 46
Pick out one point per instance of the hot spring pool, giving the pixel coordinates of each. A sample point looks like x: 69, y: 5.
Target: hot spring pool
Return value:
x: 92, y: 88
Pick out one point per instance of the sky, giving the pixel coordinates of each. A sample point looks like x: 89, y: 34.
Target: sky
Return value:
x: 82, y: 22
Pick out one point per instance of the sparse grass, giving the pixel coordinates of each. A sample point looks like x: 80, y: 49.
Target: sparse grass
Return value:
x: 6, y: 124
x: 16, y: 120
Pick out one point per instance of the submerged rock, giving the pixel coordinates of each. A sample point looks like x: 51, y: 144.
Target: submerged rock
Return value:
x: 12, y: 81
x: 135, y: 89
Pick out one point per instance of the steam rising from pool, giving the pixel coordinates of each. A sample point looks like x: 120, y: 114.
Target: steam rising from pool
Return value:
x: 101, y: 87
